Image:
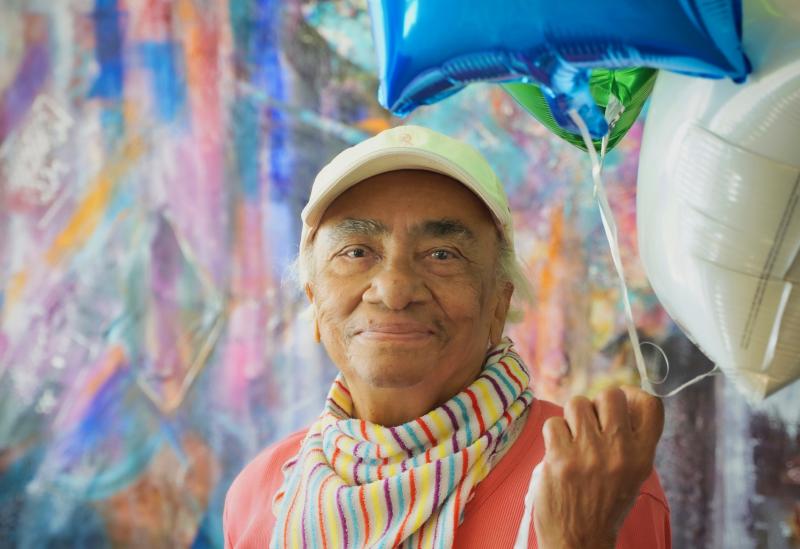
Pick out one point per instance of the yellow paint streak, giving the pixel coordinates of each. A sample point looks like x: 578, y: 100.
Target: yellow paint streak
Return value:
x: 14, y: 288
x: 89, y: 212
x: 114, y: 357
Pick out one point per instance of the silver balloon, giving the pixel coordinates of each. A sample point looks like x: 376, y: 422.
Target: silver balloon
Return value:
x: 718, y: 205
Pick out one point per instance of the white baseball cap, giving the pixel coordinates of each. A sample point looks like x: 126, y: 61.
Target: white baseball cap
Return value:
x: 405, y: 148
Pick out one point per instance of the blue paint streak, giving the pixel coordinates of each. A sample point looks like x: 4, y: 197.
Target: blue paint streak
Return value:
x: 16, y: 477
x: 99, y: 420
x: 116, y: 477
x: 247, y: 142
x: 109, y: 39
x: 169, y: 92
x: 109, y: 418
x: 268, y: 75
x: 256, y: 27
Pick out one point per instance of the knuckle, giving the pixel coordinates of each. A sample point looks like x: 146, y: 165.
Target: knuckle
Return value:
x: 613, y: 395
x: 652, y: 403
x: 553, y: 425
x: 577, y: 403
x: 593, y: 464
x: 615, y: 433
x: 655, y: 412
x: 658, y: 404
x: 618, y: 465
x: 561, y: 469
x: 552, y: 422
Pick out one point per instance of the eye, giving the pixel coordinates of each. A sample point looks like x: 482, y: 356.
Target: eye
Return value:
x: 355, y: 252
x: 442, y: 255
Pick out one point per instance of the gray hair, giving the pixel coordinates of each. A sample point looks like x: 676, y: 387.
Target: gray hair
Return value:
x: 510, y: 270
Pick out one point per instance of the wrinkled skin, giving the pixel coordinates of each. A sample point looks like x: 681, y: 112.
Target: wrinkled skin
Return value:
x: 407, y: 315
x: 596, y: 458
x: 405, y: 291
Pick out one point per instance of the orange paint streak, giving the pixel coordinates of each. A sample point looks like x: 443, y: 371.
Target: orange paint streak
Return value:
x: 90, y: 211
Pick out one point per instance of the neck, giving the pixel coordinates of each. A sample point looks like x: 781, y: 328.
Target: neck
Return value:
x: 393, y: 406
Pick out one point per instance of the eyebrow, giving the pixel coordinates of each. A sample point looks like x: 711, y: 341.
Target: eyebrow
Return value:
x: 437, y: 228
x: 358, y: 227
x: 446, y: 227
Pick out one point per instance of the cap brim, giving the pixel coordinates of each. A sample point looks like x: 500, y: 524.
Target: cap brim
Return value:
x: 383, y: 161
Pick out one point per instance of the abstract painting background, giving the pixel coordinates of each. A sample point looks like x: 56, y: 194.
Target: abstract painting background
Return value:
x: 154, y: 158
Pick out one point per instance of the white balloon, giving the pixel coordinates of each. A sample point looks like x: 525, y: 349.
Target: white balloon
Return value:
x: 718, y: 205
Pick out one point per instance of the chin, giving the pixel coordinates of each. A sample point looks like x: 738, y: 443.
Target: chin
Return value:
x: 398, y: 372
x: 381, y: 381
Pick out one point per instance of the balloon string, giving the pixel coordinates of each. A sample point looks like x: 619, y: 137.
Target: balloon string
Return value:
x: 610, y: 228
x: 713, y: 372
x: 613, y: 111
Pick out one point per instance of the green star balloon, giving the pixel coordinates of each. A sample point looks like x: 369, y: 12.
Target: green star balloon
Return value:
x: 631, y: 87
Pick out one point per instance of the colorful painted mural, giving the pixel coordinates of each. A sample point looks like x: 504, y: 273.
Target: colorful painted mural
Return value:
x: 154, y: 158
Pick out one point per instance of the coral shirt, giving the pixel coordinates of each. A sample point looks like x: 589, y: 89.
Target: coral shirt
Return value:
x: 491, y: 517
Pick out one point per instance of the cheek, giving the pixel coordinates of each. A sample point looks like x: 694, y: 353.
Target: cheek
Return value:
x: 462, y: 302
x: 332, y: 335
x: 334, y: 303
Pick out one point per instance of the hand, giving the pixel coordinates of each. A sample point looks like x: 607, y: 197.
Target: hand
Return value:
x: 596, y: 458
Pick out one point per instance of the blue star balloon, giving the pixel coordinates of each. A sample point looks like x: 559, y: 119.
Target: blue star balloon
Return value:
x: 428, y: 50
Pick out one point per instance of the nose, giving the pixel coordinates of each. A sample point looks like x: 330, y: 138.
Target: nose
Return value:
x: 396, y: 284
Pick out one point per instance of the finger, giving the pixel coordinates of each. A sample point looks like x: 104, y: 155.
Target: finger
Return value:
x: 556, y: 434
x: 612, y: 411
x: 581, y: 417
x: 646, y: 412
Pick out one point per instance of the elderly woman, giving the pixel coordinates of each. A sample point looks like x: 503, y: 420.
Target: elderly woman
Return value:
x: 430, y: 433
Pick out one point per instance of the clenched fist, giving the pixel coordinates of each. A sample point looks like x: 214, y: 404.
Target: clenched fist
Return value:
x: 596, y: 458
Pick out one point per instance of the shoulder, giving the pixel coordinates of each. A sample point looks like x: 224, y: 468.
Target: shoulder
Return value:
x: 541, y: 410
x: 531, y: 436
x: 249, y: 498
x: 266, y: 464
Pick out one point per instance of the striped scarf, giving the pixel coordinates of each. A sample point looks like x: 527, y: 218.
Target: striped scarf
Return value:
x: 358, y: 484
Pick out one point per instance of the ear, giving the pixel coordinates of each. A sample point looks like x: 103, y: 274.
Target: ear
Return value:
x: 499, y: 314
x: 309, y: 292
x: 310, y: 295
x: 317, y: 336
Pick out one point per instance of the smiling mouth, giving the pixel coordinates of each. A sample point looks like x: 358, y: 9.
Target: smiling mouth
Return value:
x: 396, y: 333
